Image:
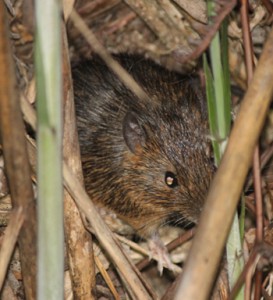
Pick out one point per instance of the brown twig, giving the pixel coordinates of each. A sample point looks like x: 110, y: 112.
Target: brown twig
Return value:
x: 181, y: 239
x: 78, y: 240
x: 259, y: 252
x: 248, y: 49
x: 122, y: 74
x: 265, y: 157
x: 242, y: 276
x: 259, y: 215
x: 107, y: 278
x: 249, y: 60
x: 217, y: 21
x: 97, y: 7
x: 16, y: 158
x: 268, y: 5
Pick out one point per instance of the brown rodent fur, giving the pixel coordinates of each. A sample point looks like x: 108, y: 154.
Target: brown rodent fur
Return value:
x: 147, y: 162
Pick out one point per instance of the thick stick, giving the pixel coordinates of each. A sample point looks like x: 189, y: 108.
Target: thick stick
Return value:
x: 16, y: 158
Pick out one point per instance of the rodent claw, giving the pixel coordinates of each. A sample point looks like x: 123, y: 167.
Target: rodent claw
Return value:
x: 159, y: 252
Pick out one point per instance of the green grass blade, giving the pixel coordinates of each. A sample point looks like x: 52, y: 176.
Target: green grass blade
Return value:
x: 235, y: 256
x: 210, y: 93
x: 219, y: 104
x: 218, y: 76
x: 50, y: 191
x: 227, y: 92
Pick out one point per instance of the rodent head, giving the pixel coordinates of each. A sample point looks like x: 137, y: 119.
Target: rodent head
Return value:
x: 167, y: 164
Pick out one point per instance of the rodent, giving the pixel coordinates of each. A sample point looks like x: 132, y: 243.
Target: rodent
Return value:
x: 147, y: 162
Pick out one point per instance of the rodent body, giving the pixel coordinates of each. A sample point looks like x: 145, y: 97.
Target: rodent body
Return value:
x: 147, y: 162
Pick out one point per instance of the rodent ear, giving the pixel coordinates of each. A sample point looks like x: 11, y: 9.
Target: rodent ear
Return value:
x: 133, y: 133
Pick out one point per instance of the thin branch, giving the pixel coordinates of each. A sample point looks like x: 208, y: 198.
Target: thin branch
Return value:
x: 94, y: 43
x: 217, y: 21
x: 249, y: 60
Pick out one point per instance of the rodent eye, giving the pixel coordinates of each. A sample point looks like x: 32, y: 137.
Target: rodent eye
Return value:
x: 171, y: 180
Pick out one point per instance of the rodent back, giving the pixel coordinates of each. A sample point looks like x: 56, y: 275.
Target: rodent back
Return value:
x: 144, y: 161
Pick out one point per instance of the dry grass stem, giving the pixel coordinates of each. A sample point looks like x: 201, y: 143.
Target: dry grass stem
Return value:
x: 123, y: 75
x: 106, y: 278
x: 11, y: 234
